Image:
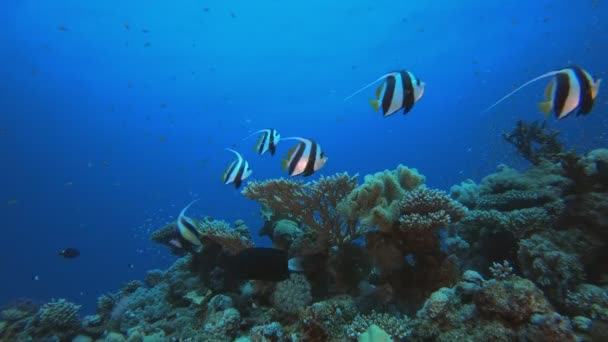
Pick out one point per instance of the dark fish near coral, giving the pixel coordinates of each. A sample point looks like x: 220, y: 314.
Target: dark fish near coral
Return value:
x: 187, y: 228
x: 267, y: 142
x: 69, y: 253
x: 400, y: 90
x: 305, y: 158
x: 571, y: 88
x: 237, y: 171
x: 261, y: 263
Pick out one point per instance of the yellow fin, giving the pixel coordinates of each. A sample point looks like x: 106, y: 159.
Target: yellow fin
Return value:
x: 379, y: 91
x: 285, y: 162
x: 549, y: 90
x: 375, y: 104
x: 225, y: 174
x: 545, y: 107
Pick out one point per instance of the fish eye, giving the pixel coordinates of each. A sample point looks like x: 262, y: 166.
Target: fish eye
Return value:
x: 418, y: 81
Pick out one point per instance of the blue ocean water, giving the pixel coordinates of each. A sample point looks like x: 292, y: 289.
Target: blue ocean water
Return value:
x: 115, y: 114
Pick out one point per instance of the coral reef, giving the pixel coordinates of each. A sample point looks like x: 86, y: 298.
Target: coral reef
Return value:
x: 389, y: 256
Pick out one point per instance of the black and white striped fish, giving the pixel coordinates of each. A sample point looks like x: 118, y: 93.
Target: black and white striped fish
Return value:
x: 187, y: 228
x: 400, y: 90
x: 305, y: 158
x: 237, y: 171
x: 570, y: 88
x: 267, y: 142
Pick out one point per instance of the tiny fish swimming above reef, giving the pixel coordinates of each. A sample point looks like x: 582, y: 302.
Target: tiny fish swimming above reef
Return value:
x: 570, y: 88
x: 400, y: 90
x: 267, y: 142
x: 69, y: 253
x: 237, y: 171
x: 305, y: 158
x: 187, y: 228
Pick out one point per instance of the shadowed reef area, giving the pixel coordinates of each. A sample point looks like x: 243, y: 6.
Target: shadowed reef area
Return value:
x: 521, y: 255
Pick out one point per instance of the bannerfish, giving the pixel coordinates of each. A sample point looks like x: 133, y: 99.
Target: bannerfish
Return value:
x: 187, y: 228
x: 69, y: 253
x: 237, y: 171
x: 400, y: 90
x: 267, y: 142
x: 305, y: 158
x: 261, y: 263
x: 570, y: 88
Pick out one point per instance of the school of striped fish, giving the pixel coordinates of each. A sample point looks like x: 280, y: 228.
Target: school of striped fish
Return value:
x: 570, y: 88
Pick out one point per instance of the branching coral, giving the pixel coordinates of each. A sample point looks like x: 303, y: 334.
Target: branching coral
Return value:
x: 534, y: 141
x: 501, y: 271
x: 315, y: 205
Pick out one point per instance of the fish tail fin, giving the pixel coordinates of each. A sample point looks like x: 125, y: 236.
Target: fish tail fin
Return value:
x: 307, y: 263
x: 284, y: 163
x: 549, y: 74
x: 295, y: 264
x: 545, y: 107
x: 375, y: 104
x: 366, y: 86
x: 596, y: 88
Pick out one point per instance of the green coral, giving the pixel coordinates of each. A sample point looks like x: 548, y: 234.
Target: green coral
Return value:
x: 376, y: 202
x: 467, y: 193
